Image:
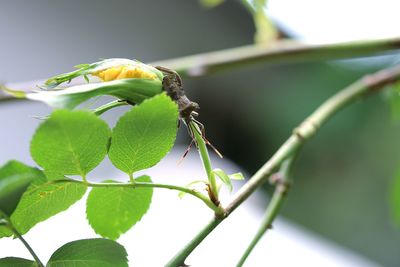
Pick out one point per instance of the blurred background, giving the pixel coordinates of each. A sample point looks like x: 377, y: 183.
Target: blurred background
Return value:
x: 343, y: 175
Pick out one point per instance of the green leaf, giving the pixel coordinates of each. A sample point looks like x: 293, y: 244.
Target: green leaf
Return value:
x: 16, y: 262
x: 43, y: 200
x: 5, y: 231
x: 70, y: 142
x: 144, y: 135
x: 89, y: 253
x: 15, y: 178
x: 236, y: 176
x: 227, y: 179
x: 114, y: 210
x: 224, y: 178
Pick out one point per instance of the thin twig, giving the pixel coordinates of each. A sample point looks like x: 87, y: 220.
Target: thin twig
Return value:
x: 365, y: 86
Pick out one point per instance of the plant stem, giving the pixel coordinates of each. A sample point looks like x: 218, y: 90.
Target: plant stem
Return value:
x: 284, y: 51
x: 282, y: 186
x: 116, y: 103
x: 202, y: 197
x: 205, y: 158
x: 180, y: 258
x: 10, y: 226
x: 308, y: 128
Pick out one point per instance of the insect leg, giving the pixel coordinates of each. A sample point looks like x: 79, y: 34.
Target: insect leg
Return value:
x: 203, y: 135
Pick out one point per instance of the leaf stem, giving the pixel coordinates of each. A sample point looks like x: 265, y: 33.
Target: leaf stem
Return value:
x: 10, y: 226
x: 307, y: 129
x: 202, y: 197
x: 116, y: 103
x: 205, y: 158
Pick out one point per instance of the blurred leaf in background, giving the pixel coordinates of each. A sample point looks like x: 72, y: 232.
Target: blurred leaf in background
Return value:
x: 266, y: 32
x: 211, y: 3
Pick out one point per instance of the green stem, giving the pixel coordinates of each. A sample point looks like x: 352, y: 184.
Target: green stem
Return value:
x: 205, y: 158
x: 284, y: 51
x: 274, y: 206
x: 180, y: 258
x: 116, y: 103
x: 192, y: 192
x: 307, y: 129
x: 10, y: 226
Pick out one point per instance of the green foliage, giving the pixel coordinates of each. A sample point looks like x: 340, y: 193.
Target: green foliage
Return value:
x: 113, y: 211
x: 15, y: 178
x: 227, y: 179
x: 43, y: 200
x: 70, y: 142
x: 89, y: 253
x: 224, y: 178
x: 16, y: 262
x: 144, y: 135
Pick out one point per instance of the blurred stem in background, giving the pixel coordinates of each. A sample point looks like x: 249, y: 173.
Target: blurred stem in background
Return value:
x: 266, y: 32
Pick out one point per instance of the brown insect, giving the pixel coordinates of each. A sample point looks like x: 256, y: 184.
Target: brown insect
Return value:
x: 188, y: 110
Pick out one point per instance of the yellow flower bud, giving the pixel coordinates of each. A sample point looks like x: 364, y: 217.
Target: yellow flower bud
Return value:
x: 124, y: 72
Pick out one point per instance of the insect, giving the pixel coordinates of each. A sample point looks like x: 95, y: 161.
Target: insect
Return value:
x: 188, y: 110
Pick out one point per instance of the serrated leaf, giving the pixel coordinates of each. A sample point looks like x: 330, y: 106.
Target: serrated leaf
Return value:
x: 224, y: 178
x: 16, y: 262
x: 114, y: 210
x: 43, y: 200
x: 89, y: 253
x: 70, y: 142
x: 144, y: 135
x: 15, y: 178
